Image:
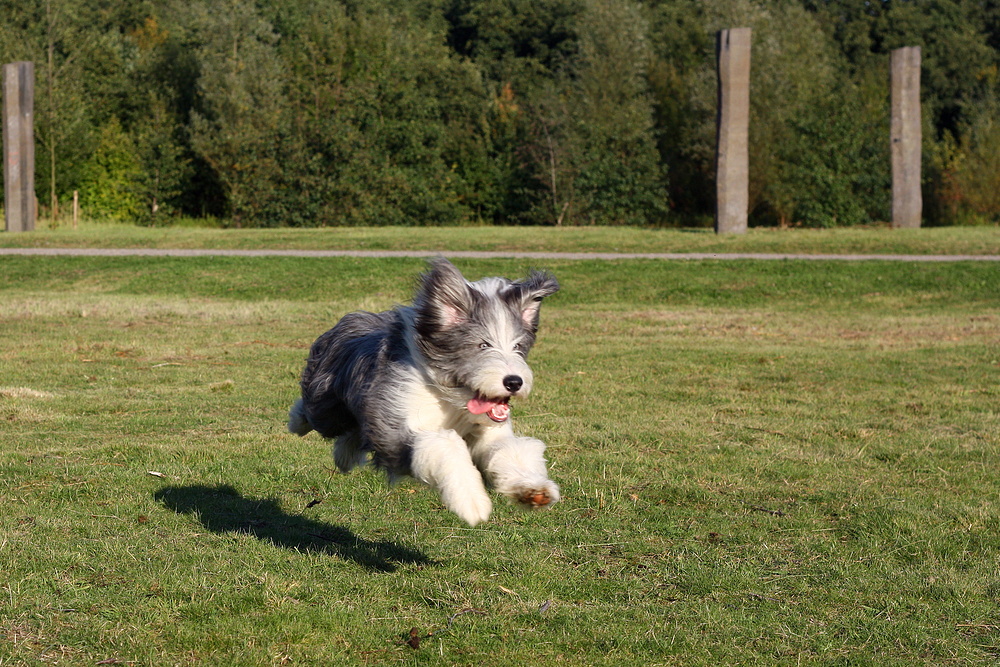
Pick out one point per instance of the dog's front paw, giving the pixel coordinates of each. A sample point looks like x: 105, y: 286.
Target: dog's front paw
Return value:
x: 533, y: 496
x: 473, y: 507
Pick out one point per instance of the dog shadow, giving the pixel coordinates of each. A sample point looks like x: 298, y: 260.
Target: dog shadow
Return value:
x: 222, y: 509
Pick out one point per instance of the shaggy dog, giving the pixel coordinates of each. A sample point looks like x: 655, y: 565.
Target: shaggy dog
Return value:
x: 425, y: 389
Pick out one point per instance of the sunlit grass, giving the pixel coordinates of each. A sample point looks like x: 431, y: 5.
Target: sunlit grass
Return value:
x: 954, y: 240
x: 762, y: 463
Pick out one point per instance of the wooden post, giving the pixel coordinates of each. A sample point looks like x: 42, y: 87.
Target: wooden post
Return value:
x: 907, y: 202
x: 76, y: 207
x: 19, y: 146
x: 732, y: 164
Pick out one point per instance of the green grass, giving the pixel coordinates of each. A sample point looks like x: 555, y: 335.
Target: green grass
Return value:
x: 762, y: 463
x: 878, y: 240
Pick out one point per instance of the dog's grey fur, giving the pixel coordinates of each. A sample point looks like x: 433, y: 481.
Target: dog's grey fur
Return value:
x: 424, y: 390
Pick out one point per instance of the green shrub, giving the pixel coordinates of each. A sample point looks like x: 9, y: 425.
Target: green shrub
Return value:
x: 107, y: 189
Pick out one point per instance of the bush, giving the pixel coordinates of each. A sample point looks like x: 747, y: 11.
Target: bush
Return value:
x: 837, y: 172
x: 107, y: 188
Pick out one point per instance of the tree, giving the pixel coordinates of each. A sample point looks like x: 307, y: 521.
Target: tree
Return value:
x: 836, y: 171
x: 810, y: 147
x: 500, y: 111
x: 681, y: 45
x: 162, y: 86
x: 52, y: 34
x: 619, y: 179
x: 158, y: 183
x: 965, y: 172
x: 107, y: 185
x: 393, y: 124
x: 578, y: 106
x: 516, y: 43
x: 240, y: 125
x: 525, y: 50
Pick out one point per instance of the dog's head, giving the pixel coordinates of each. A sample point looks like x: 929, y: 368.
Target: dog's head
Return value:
x: 477, y: 335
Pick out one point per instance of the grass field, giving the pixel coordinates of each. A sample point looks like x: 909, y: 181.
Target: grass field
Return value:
x: 876, y: 240
x: 761, y: 462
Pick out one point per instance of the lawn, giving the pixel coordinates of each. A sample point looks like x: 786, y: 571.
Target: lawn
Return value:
x: 761, y: 463
x: 874, y: 240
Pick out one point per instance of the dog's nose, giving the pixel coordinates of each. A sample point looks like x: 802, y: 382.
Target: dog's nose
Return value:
x: 512, y: 383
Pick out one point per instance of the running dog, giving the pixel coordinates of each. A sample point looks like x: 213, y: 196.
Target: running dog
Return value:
x: 425, y: 390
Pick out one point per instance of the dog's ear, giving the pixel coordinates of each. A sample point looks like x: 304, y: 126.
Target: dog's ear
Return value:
x: 528, y: 294
x: 444, y: 299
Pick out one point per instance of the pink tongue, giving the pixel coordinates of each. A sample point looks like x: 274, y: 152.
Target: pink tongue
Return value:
x: 478, y: 406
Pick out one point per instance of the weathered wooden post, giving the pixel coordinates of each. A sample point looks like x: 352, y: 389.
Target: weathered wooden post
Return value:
x: 907, y: 202
x: 732, y: 164
x: 19, y: 146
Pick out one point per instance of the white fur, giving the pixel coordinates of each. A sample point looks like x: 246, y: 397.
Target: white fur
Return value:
x: 513, y: 465
x: 455, y: 450
x: 488, y: 380
x: 419, y: 413
x: 441, y: 459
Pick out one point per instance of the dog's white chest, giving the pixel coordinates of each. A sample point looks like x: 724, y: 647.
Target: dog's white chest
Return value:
x: 426, y: 411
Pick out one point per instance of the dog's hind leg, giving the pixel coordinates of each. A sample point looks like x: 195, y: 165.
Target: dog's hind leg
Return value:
x: 297, y: 422
x: 441, y: 459
x: 347, y: 452
x: 515, y: 467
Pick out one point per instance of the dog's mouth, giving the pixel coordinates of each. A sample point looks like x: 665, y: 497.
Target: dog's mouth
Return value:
x: 497, y: 409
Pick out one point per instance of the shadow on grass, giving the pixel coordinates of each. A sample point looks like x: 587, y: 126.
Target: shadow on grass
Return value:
x: 222, y: 509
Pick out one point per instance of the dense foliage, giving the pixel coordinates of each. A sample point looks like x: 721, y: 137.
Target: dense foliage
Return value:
x: 418, y: 112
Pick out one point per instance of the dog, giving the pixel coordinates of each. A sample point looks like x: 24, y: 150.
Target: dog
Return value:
x: 425, y: 390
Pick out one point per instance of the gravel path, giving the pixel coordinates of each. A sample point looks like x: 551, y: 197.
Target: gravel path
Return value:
x: 475, y: 254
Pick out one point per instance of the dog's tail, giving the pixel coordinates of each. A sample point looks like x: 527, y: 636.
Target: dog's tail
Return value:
x: 297, y: 422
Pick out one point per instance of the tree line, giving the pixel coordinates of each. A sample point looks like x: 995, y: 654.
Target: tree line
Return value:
x: 437, y: 112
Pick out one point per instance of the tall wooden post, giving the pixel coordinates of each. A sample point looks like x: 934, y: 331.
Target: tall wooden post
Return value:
x: 19, y: 146
x: 907, y: 202
x: 732, y: 48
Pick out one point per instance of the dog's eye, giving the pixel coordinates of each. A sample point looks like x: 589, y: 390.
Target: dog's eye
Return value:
x: 517, y: 347
x: 484, y: 345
